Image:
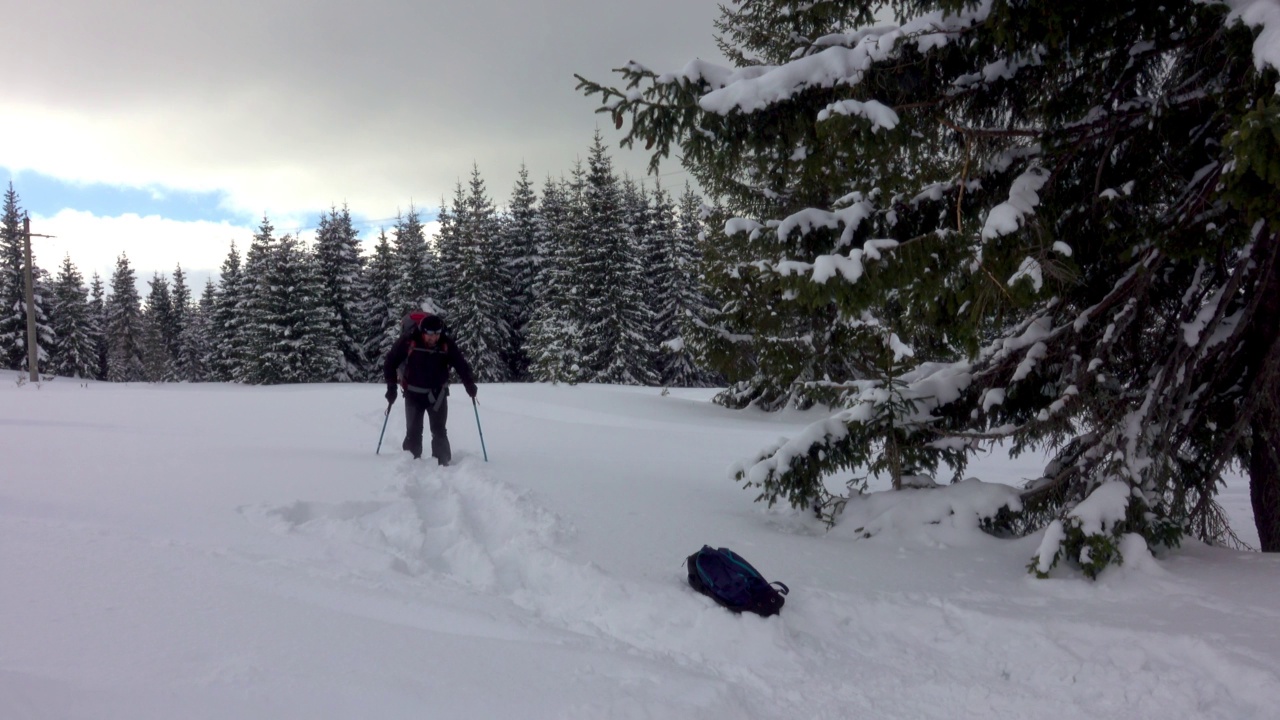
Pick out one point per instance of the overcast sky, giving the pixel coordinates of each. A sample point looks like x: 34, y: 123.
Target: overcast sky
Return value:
x: 208, y: 114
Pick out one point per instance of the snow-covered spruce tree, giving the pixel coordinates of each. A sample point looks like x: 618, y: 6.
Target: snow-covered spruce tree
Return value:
x: 650, y: 255
x: 226, y: 356
x: 690, y: 303
x: 13, y: 291
x: 660, y: 227
x: 254, y: 319
x: 448, y: 247
x: 196, y: 346
x: 418, y: 280
x: 294, y: 331
x: 180, y: 294
x: 337, y: 250
x: 1073, y: 207
x: 477, y: 316
x: 159, y: 331
x: 13, y: 321
x: 98, y: 326
x: 74, y: 353
x: 615, y: 328
x: 553, y: 331
x: 380, y: 318
x: 125, y: 326
x: 680, y: 303
x: 518, y: 253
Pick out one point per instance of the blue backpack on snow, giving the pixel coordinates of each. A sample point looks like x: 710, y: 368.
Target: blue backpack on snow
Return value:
x: 732, y: 582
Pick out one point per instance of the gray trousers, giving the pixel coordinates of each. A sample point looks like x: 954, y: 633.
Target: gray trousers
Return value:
x: 436, y: 408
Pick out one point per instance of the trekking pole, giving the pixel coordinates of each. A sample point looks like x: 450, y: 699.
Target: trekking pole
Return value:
x: 476, y: 406
x: 385, y: 418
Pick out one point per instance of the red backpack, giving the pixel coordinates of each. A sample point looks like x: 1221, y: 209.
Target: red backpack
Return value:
x: 408, y: 325
x: 411, y: 321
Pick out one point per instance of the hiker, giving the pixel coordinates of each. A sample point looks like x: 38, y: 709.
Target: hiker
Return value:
x: 427, y: 353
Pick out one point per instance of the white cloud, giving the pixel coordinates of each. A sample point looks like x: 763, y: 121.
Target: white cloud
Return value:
x: 156, y: 244
x: 152, y: 244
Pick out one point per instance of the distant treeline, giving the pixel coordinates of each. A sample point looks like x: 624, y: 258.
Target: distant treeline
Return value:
x: 595, y: 279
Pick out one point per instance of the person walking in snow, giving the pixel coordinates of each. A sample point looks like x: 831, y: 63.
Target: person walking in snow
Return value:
x: 426, y: 353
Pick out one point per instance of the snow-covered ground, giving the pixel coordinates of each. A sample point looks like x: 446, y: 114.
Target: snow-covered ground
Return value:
x: 211, y: 551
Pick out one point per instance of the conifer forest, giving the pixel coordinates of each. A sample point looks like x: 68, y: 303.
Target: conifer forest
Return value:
x: 588, y: 278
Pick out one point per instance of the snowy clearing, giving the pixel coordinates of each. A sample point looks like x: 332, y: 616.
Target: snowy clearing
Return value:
x: 213, y: 551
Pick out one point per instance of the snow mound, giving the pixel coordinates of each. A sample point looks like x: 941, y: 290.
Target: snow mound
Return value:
x: 941, y: 516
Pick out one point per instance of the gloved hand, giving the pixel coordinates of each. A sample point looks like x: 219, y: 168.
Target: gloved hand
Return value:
x: 391, y: 393
x: 471, y: 389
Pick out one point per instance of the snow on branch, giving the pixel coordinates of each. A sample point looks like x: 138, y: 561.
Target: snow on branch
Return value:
x: 879, y: 114
x: 935, y: 29
x: 716, y: 76
x: 756, y: 88
x: 808, y: 219
x: 1008, y: 216
x: 1031, y: 270
x: 835, y: 65
x: 1264, y: 14
x: 825, y: 267
x: 927, y: 387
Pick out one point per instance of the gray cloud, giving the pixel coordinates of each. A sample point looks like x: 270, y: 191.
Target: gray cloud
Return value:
x: 292, y: 105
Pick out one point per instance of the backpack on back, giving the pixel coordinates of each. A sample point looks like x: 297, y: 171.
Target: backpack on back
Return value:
x: 725, y: 577
x: 410, y: 322
x: 409, y: 325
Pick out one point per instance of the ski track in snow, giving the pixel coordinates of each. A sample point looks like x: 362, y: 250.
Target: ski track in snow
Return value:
x: 459, y: 527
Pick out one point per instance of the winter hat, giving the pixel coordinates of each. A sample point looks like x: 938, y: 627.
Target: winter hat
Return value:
x: 431, y: 324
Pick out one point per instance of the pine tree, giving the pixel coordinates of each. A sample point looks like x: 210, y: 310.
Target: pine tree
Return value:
x: 97, y: 323
x: 615, y: 331
x: 686, y: 307
x: 676, y: 298
x: 125, y: 327
x: 417, y: 282
x: 293, y: 331
x: 651, y: 254
x: 197, y: 341
x: 1068, y: 216
x: 553, y: 331
x: 13, y: 290
x: 518, y: 253
x: 255, y: 319
x: 380, y: 316
x: 74, y: 353
x: 13, y: 319
x: 449, y: 247
x: 181, y: 317
x: 225, y: 359
x: 476, y: 311
x: 337, y: 251
x: 159, y: 331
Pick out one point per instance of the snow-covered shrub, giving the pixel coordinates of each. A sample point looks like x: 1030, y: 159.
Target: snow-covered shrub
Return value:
x: 1090, y: 535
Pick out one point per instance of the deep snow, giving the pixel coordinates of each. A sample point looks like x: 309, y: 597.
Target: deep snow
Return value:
x: 214, y: 551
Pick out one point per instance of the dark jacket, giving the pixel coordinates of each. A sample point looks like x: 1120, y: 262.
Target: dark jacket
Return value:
x: 426, y: 369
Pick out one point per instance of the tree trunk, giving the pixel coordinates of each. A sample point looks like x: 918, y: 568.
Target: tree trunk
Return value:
x: 1264, y: 481
x: 1264, y: 451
